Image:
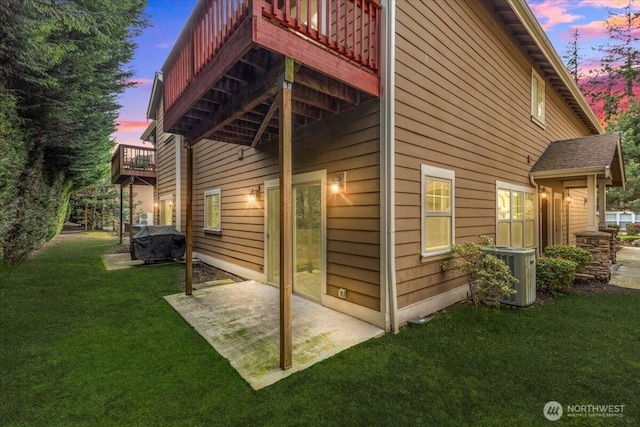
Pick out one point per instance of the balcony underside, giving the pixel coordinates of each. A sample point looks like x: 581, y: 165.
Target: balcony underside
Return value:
x: 234, y: 98
x: 140, y: 177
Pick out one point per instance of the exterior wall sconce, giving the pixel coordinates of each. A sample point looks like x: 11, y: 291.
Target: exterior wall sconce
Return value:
x: 254, y: 194
x: 568, y: 197
x: 339, y: 183
x: 543, y: 192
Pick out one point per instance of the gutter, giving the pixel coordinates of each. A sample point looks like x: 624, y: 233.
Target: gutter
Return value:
x: 387, y: 171
x: 565, y: 173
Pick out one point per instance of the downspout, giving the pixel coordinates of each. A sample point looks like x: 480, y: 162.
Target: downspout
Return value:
x: 178, y: 161
x: 387, y: 166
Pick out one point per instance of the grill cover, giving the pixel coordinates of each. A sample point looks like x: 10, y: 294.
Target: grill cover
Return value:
x: 157, y: 243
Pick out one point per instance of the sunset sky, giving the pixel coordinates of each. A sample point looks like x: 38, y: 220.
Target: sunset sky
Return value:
x: 558, y: 18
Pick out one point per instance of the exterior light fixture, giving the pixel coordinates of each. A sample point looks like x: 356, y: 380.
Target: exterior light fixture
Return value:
x: 338, y: 183
x: 568, y: 197
x: 254, y: 194
x: 543, y: 192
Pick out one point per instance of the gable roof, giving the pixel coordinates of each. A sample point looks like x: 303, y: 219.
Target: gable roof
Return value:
x: 595, y: 154
x: 156, y: 96
x: 518, y: 18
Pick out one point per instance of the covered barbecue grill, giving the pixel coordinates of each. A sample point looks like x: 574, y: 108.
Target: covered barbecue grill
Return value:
x: 157, y: 243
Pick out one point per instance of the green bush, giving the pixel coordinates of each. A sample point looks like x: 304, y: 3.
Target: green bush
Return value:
x: 628, y: 238
x: 633, y: 229
x: 490, y: 279
x: 614, y: 225
x: 578, y: 255
x: 555, y: 274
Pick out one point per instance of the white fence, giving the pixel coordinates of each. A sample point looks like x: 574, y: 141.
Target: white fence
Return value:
x: 622, y: 218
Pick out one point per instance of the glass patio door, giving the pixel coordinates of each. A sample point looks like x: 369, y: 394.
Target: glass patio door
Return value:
x: 307, y: 239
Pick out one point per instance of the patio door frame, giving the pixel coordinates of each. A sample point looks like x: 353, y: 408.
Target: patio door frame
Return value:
x: 315, y: 177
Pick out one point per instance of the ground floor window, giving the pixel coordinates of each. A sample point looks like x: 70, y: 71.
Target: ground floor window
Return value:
x: 212, y: 210
x: 166, y: 209
x: 437, y: 202
x: 515, y: 208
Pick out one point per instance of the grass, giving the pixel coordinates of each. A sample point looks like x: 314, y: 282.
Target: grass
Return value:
x: 628, y: 238
x: 83, y: 346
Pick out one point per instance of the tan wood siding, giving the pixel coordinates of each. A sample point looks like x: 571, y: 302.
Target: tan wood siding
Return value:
x: 462, y: 103
x: 348, y: 142
x: 166, y: 163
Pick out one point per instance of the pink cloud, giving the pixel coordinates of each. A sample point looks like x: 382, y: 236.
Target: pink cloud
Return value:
x: 552, y: 12
x: 131, y: 125
x: 596, y: 29
x: 163, y: 45
x: 616, y: 4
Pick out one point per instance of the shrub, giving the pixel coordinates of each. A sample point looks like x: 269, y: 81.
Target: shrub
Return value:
x: 628, y: 238
x: 633, y: 229
x: 614, y: 225
x: 578, y: 255
x: 490, y: 279
x: 555, y: 274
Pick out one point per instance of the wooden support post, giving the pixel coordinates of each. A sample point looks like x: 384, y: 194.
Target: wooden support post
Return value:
x: 188, y: 257
x: 131, y: 209
x: 286, y: 218
x: 121, y: 216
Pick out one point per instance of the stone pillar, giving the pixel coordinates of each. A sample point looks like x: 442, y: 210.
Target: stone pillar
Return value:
x: 613, y: 232
x: 598, y: 243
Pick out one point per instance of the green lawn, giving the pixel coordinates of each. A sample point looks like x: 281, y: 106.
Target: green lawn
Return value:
x: 83, y: 346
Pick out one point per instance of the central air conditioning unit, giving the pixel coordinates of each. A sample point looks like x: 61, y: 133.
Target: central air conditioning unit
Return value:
x: 146, y: 218
x: 522, y: 263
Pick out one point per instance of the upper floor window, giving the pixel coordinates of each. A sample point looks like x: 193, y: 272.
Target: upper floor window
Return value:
x: 537, y: 98
x: 437, y: 210
x: 212, y: 210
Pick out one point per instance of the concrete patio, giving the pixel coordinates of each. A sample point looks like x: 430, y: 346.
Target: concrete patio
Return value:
x: 241, y: 321
x: 626, y: 272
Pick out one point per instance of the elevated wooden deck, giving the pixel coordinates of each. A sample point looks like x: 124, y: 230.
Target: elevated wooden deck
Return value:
x: 222, y: 75
x: 133, y: 162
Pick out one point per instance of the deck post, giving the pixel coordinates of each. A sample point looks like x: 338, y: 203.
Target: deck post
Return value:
x: 286, y: 217
x: 131, y: 209
x: 188, y: 257
x: 121, y: 216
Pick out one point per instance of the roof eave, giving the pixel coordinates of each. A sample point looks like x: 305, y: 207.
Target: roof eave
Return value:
x: 566, y: 173
x: 531, y: 25
x: 156, y: 94
x: 148, y: 131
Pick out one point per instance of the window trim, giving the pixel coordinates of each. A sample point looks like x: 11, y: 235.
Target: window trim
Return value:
x: 501, y: 185
x: 536, y: 82
x: 428, y: 171
x: 213, y: 192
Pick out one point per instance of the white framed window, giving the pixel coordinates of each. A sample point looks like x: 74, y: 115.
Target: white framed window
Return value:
x: 515, y: 215
x: 166, y: 209
x: 537, y: 98
x: 212, y: 210
x: 438, y: 207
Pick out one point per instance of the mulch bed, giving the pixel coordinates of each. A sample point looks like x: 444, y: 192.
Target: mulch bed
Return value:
x: 202, y: 272
x: 588, y: 287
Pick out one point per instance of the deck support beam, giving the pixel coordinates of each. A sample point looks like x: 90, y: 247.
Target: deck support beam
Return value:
x: 121, y: 215
x: 188, y: 256
x: 286, y: 216
x: 131, y: 209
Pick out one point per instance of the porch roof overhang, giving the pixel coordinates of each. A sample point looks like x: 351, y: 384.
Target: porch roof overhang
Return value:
x: 148, y: 133
x: 577, y: 158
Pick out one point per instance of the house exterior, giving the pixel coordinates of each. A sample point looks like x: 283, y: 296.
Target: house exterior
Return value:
x: 359, y: 140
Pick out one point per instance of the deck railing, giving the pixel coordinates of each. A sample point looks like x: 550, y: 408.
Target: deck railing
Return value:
x: 349, y: 27
x: 131, y: 160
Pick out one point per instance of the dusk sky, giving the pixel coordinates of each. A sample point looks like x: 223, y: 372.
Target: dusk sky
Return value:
x: 557, y: 17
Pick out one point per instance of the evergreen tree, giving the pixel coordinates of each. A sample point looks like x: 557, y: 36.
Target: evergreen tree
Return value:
x: 62, y: 66
x: 628, y: 124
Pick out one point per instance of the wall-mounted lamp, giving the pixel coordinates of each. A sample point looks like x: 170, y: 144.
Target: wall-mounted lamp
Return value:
x: 339, y: 183
x: 254, y: 194
x: 543, y: 192
x: 568, y: 197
